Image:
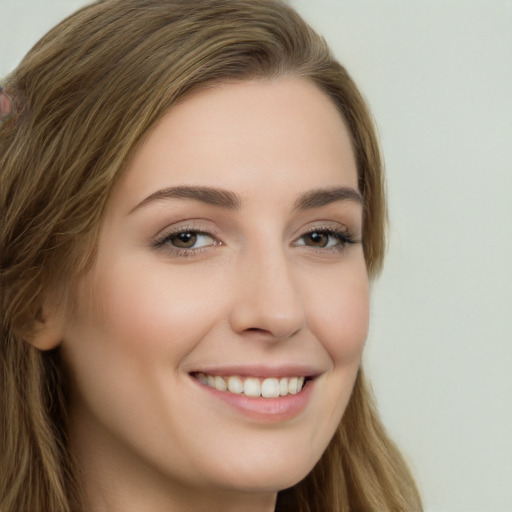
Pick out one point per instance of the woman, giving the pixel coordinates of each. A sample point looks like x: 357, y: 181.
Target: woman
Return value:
x: 192, y: 205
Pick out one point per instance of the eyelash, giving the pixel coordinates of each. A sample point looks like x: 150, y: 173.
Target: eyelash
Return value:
x: 163, y: 242
x: 343, y: 238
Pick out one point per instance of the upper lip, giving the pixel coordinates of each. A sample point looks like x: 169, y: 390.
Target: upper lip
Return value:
x: 296, y: 370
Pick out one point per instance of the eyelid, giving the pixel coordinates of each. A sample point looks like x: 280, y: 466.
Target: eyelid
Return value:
x: 337, y: 230
x: 197, y: 225
x: 329, y: 226
x: 160, y: 241
x: 343, y: 233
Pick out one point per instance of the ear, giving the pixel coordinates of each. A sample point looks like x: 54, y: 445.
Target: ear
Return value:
x: 46, y: 330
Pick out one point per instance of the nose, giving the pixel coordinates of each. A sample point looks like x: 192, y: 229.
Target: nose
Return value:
x: 267, y: 300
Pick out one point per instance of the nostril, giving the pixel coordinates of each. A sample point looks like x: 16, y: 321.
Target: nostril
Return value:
x: 273, y: 334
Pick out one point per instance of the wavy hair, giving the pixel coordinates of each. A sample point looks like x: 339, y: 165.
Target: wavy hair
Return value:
x: 87, y: 94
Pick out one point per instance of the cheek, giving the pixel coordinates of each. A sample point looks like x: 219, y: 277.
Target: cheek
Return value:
x: 339, y: 315
x: 126, y: 343
x: 153, y: 314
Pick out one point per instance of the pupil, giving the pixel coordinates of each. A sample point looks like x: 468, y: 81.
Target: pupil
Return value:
x: 185, y: 239
x: 318, y: 239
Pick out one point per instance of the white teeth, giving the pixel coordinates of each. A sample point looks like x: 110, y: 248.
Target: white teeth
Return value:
x: 292, y: 385
x: 235, y: 385
x: 283, y: 386
x: 253, y: 386
x: 270, y: 388
x: 220, y: 384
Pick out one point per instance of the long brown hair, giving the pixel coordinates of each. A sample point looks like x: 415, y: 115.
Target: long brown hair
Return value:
x: 87, y: 94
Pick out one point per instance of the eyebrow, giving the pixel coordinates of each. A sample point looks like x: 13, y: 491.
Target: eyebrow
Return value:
x: 325, y: 196
x: 231, y: 201
x: 209, y: 195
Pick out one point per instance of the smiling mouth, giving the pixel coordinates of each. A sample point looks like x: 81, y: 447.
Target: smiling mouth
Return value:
x: 270, y: 387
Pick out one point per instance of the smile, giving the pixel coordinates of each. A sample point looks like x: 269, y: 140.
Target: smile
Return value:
x: 270, y: 387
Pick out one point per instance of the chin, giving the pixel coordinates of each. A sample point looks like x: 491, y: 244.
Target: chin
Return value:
x: 263, y: 473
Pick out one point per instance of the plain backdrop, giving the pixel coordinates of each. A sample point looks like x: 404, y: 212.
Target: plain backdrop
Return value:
x: 438, y: 77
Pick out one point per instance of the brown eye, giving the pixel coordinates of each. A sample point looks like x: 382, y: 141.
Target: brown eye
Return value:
x: 316, y: 239
x: 325, y: 239
x: 185, y: 240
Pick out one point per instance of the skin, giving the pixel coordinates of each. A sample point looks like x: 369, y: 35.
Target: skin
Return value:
x: 255, y: 291
x: 6, y: 105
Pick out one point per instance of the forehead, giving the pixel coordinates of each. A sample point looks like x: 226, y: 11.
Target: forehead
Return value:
x: 286, y: 133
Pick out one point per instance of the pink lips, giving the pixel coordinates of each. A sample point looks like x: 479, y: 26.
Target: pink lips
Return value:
x: 268, y: 410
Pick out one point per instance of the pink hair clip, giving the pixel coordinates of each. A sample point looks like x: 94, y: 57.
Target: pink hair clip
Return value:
x: 7, y: 105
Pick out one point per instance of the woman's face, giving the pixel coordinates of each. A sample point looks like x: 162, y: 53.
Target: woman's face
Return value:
x: 230, y: 257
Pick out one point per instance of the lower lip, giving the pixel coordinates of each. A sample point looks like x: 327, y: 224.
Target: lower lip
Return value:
x: 270, y: 410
